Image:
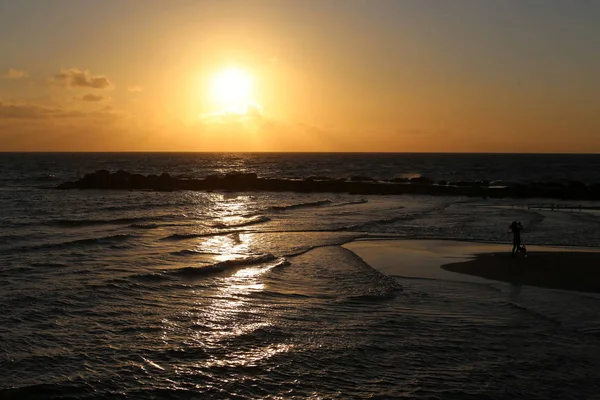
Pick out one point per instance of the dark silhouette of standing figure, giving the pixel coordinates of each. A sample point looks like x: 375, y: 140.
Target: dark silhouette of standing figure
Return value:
x: 516, y: 229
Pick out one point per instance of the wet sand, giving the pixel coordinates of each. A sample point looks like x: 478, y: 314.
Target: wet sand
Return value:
x: 567, y: 268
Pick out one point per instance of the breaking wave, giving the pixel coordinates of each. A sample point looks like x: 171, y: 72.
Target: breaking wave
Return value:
x: 200, y: 271
x: 348, y: 203
x: 371, y: 224
x: 150, y: 225
x: 112, y: 239
x: 186, y: 236
x: 300, y: 205
x: 250, y: 221
x: 188, y: 252
x: 66, y: 223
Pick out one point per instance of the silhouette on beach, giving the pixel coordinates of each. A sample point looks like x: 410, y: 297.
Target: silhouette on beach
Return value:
x: 516, y: 229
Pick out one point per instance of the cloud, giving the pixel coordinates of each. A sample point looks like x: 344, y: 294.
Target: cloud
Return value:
x: 92, y: 97
x: 14, y: 74
x: 135, y: 89
x: 30, y: 111
x: 98, y: 127
x: 250, y: 113
x: 74, y: 78
x: 35, y: 127
x: 40, y: 112
x: 251, y: 130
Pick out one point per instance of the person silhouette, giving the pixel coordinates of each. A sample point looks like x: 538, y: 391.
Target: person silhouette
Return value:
x: 516, y: 229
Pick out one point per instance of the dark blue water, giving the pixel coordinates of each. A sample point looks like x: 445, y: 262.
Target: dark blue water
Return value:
x: 26, y: 168
x: 193, y: 295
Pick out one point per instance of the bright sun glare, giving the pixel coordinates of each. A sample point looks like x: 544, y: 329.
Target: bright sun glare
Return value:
x: 232, y: 89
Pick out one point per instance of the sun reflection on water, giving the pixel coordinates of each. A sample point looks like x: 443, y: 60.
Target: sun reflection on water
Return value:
x: 231, y: 317
x: 228, y: 247
x: 226, y: 318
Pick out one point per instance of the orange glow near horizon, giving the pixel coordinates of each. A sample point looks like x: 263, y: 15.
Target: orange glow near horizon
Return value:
x: 240, y: 76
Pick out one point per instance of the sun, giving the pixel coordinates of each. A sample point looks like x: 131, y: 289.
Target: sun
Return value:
x: 231, y: 89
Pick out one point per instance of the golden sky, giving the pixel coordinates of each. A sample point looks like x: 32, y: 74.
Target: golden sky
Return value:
x: 305, y: 75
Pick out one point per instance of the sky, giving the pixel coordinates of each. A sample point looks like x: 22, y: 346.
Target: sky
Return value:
x: 305, y: 75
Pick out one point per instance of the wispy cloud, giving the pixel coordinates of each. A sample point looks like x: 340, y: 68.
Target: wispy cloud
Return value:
x: 37, y: 112
x: 77, y: 78
x: 35, y: 126
x: 14, y: 74
x: 92, y: 97
x: 135, y: 89
x: 31, y: 111
x: 250, y: 113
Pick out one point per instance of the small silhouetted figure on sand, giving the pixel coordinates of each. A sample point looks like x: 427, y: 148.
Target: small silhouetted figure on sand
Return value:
x: 516, y: 229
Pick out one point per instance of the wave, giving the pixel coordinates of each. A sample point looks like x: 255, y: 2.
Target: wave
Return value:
x: 43, y: 181
x: 18, y: 270
x: 535, y: 313
x: 348, y: 203
x: 279, y: 295
x: 145, y: 207
x: 191, y: 272
x: 376, y: 287
x: 376, y: 223
x: 375, y: 297
x: 67, y: 223
x: 44, y: 178
x: 300, y: 205
x: 196, y: 272
x: 49, y: 264
x: 5, y: 238
x: 152, y: 277
x: 112, y: 239
x: 250, y: 221
x: 592, y: 330
x: 150, y: 225
x: 186, y: 236
x: 188, y: 252
x: 337, y: 241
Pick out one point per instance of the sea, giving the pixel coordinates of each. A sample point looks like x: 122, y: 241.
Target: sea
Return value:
x: 252, y: 295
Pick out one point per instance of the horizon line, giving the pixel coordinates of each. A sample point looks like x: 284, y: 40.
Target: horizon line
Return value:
x: 290, y: 152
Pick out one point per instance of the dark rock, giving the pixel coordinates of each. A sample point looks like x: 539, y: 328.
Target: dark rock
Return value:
x: 139, y: 181
x: 358, y: 178
x: 120, y: 180
x: 356, y: 185
x: 398, y: 180
x: 319, y: 178
x: 422, y: 180
x: 96, y: 180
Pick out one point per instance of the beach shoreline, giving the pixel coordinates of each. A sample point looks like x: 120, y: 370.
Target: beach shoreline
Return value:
x: 566, y: 268
x: 569, y: 270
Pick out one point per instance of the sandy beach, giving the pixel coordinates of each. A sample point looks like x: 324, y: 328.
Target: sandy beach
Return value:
x: 550, y: 267
x: 568, y: 270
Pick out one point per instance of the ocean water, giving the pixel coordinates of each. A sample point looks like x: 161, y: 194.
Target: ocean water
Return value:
x: 234, y: 295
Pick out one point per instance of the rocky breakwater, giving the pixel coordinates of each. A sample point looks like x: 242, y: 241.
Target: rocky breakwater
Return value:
x: 124, y: 180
